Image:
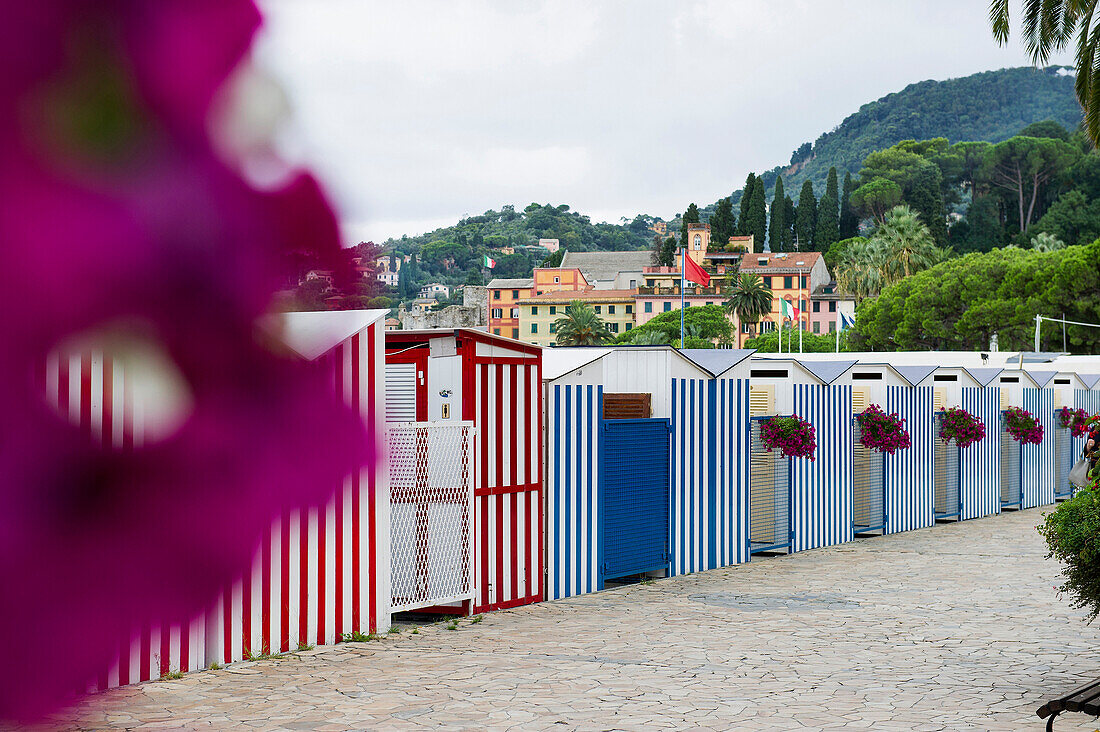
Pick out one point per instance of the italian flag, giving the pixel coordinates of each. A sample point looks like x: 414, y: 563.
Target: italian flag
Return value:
x: 789, y: 311
x: 487, y: 262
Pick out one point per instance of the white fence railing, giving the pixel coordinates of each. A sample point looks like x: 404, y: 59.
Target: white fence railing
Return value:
x: 431, y: 513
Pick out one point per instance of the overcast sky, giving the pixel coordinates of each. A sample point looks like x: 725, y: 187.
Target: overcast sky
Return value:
x: 418, y: 113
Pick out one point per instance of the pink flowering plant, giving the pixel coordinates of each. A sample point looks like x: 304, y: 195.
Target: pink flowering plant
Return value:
x: 793, y: 436
x: 1074, y: 420
x: 882, y: 432
x: 1023, y: 426
x: 962, y: 427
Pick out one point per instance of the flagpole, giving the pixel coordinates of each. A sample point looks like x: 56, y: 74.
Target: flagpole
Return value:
x: 683, y: 266
x: 838, y: 331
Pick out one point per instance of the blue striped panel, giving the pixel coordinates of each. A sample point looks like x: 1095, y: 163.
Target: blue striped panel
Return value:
x: 980, y: 464
x: 909, y: 473
x: 1037, y: 461
x: 709, y: 474
x: 572, y: 510
x: 821, y: 489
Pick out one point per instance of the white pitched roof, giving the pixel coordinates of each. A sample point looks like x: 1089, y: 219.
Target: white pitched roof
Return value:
x: 313, y: 334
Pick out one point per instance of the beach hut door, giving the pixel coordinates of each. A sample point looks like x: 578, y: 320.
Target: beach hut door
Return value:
x: 634, y: 496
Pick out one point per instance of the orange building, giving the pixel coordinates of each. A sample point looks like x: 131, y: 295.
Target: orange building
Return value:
x: 556, y: 279
x: 791, y: 276
x: 503, y: 307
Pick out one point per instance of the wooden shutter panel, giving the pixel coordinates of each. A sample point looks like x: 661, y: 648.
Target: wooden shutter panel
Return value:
x: 627, y: 406
x: 761, y: 400
x: 860, y: 400
x: 939, y: 398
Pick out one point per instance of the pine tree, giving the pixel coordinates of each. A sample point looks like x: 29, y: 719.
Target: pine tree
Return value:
x: 746, y: 197
x: 758, y: 214
x: 806, y: 218
x: 827, y: 230
x: 691, y: 216
x: 722, y: 224
x: 849, y: 221
x: 778, y: 223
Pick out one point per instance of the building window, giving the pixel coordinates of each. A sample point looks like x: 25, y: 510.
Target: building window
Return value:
x: 634, y: 284
x: 668, y: 306
x: 648, y: 307
x: 534, y: 311
x: 687, y: 303
x: 762, y: 262
x: 817, y: 307
x: 534, y: 327
x: 553, y: 309
x: 610, y: 309
x: 817, y: 326
x: 599, y: 309
x: 804, y: 278
x: 697, y: 242
x: 768, y: 282
x: 832, y: 326
x: 498, y: 313
x: 553, y: 328
x: 613, y: 327
x: 629, y: 309
x: 515, y: 312
x: 515, y: 294
x: 802, y: 305
x: 557, y: 280
x: 746, y: 327
x: 515, y: 333
x: 629, y: 326
x: 788, y: 283
x: 832, y: 307
x: 496, y: 294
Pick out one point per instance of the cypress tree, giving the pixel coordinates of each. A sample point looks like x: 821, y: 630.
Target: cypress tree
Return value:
x: 788, y: 217
x: 746, y: 197
x: 668, y: 252
x: 758, y: 214
x: 778, y: 223
x: 806, y: 218
x: 721, y: 222
x: 828, y: 219
x: 691, y: 216
x: 849, y: 221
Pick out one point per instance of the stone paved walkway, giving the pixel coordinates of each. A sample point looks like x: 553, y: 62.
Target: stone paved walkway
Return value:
x: 952, y: 628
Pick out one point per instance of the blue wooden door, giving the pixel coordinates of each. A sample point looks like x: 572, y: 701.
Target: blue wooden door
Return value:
x: 634, y: 496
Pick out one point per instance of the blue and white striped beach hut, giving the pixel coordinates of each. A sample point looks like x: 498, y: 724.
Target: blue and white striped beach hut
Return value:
x: 821, y: 509
x: 1061, y: 389
x: 907, y: 474
x: 632, y: 483
x: 1037, y: 462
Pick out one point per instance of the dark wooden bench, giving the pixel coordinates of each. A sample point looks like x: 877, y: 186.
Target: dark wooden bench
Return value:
x: 1085, y: 700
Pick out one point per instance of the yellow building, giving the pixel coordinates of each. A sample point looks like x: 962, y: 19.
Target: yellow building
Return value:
x: 538, y: 313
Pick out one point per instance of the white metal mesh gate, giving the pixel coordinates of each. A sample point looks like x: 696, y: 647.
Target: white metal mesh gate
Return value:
x: 431, y: 513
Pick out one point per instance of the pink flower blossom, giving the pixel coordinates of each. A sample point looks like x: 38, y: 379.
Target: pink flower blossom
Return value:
x: 793, y: 436
x: 962, y: 427
x: 118, y: 215
x: 882, y: 432
x: 1022, y: 426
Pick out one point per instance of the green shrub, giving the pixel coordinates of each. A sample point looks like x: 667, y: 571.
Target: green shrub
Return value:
x: 1072, y: 533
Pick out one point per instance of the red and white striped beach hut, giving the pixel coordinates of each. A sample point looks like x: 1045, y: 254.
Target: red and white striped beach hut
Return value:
x: 318, y: 573
x: 452, y: 375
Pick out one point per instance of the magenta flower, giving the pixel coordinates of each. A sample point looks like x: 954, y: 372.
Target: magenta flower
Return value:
x: 793, y: 436
x: 1022, y: 426
x: 962, y: 427
x: 882, y: 432
x: 123, y: 225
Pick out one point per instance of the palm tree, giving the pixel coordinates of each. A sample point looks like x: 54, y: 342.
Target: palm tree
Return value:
x: 1048, y: 27
x: 649, y: 337
x: 748, y: 298
x: 907, y: 244
x: 861, y: 269
x: 580, y: 326
x: 1047, y: 242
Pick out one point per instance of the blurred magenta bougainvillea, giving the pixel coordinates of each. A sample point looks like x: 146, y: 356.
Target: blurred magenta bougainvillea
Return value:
x: 1075, y: 420
x: 962, y: 427
x: 120, y: 215
x: 1022, y: 426
x: 881, y: 431
x: 793, y: 436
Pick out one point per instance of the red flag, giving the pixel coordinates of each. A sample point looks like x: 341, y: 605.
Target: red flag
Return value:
x: 694, y: 272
